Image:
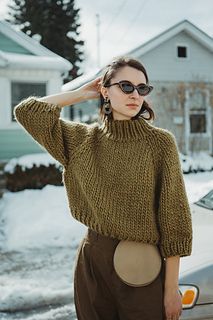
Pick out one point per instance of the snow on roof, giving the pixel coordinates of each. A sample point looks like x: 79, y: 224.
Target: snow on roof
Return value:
x: 41, y: 56
x: 15, y: 60
x: 32, y: 45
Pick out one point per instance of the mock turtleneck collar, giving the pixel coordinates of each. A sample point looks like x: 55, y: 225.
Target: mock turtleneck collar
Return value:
x: 125, y: 129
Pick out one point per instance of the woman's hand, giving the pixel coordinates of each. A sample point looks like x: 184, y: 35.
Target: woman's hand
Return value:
x: 172, y: 304
x: 91, y: 90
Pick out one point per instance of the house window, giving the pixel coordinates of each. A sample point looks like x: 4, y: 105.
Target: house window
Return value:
x: 22, y: 90
x: 198, y: 122
x: 198, y: 112
x: 182, y: 52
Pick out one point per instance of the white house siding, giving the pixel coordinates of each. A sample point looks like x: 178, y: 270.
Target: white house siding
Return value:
x: 203, y: 141
x: 5, y: 99
x: 168, y: 109
x: 171, y: 103
x: 162, y: 63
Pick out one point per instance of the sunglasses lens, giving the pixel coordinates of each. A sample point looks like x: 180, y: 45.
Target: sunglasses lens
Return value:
x: 144, y: 90
x: 127, y: 87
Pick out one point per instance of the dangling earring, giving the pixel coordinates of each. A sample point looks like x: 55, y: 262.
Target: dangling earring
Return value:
x: 107, y: 108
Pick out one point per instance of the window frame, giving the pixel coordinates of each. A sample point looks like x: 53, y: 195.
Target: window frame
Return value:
x: 36, y: 82
x: 187, y: 51
x: 198, y: 112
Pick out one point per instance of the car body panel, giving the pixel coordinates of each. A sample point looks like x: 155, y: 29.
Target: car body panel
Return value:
x: 197, y: 269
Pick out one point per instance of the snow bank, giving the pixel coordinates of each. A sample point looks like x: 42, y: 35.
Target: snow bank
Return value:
x: 39, y: 218
x: 64, y: 313
x: 29, y: 160
x: 199, y: 161
x: 25, y: 294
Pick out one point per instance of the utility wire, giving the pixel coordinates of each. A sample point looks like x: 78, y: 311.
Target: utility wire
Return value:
x: 114, y: 17
x: 133, y: 20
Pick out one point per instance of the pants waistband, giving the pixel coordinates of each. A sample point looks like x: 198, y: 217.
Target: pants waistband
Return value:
x: 93, y: 236
x: 103, y: 241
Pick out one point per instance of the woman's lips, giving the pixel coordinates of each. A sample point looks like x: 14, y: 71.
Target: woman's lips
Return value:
x: 132, y: 106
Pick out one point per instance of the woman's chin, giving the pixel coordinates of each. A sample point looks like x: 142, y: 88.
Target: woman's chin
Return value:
x: 126, y: 116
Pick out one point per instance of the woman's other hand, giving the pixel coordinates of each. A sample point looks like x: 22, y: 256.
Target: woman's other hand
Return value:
x: 172, y: 304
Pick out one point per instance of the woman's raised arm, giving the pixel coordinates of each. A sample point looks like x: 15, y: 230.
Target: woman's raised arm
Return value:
x: 40, y: 117
x: 88, y: 91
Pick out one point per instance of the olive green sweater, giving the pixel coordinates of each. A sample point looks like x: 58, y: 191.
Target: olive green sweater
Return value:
x: 123, y: 178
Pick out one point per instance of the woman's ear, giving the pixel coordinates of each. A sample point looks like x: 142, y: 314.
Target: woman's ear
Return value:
x: 104, y: 92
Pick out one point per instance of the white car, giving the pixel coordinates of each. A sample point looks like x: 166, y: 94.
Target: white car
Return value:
x: 196, y: 286
x: 196, y: 271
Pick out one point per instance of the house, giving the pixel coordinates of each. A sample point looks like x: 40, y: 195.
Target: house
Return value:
x: 179, y: 63
x: 26, y: 68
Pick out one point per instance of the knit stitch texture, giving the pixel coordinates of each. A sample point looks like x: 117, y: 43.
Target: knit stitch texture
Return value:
x: 123, y: 178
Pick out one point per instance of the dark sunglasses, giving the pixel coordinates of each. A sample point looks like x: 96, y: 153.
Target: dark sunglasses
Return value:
x: 128, y: 87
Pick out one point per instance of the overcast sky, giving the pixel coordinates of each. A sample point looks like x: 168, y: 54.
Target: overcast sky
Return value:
x: 126, y: 24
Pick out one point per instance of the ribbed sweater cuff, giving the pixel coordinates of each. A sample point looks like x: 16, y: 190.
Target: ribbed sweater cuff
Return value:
x: 182, y: 249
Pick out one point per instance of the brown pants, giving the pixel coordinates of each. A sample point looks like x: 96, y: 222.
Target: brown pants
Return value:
x: 99, y: 294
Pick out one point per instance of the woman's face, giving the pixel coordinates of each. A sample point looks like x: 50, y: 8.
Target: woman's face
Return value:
x: 125, y: 106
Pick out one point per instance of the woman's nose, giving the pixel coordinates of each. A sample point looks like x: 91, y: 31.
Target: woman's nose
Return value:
x: 135, y: 93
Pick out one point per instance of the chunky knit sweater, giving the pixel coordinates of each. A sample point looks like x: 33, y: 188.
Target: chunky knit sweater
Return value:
x: 122, y: 178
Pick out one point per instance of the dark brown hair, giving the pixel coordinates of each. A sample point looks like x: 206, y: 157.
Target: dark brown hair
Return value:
x: 110, y: 71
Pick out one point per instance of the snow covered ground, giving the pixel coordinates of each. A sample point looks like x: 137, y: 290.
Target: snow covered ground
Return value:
x: 39, y: 239
x: 38, y: 243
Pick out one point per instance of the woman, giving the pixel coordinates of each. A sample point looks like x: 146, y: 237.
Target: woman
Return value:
x: 123, y: 180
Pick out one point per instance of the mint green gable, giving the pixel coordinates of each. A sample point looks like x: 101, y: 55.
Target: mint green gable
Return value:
x: 8, y: 45
x: 15, y: 143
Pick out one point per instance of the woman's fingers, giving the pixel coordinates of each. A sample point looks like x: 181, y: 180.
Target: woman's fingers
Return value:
x: 95, y: 84
x: 92, y: 88
x: 98, y: 79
